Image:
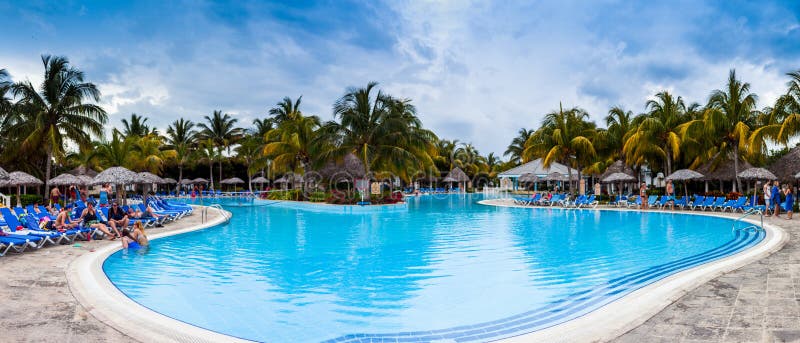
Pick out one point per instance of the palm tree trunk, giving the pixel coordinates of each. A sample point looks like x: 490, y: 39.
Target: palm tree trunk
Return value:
x: 48, y: 165
x: 366, y: 173
x: 180, y: 177
x: 736, y: 166
x: 669, y: 162
x: 211, y: 173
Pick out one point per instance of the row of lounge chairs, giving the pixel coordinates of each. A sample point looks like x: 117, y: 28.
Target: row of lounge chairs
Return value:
x: 21, y: 229
x: 209, y: 193
x: 558, y: 199
x: 697, y: 203
x: 430, y: 190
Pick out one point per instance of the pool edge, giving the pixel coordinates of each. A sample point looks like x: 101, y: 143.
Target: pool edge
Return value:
x: 104, y: 301
x: 632, y: 310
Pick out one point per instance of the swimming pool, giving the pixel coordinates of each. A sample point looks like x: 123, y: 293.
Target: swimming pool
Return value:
x: 445, y: 268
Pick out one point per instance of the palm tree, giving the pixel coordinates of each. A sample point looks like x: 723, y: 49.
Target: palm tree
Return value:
x: 86, y: 157
x: 249, y: 151
x: 658, y: 134
x: 222, y: 131
x: 565, y: 136
x: 261, y: 127
x: 290, y: 145
x: 5, y: 88
x: 207, y: 152
x: 181, y: 137
x: 149, y: 153
x: 619, y: 124
x: 58, y: 112
x: 517, y: 146
x: 781, y: 122
x: 116, y: 151
x: 728, y: 119
x: 136, y: 126
x: 286, y: 110
x: 383, y: 132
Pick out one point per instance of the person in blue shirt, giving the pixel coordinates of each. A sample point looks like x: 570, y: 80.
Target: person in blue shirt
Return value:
x: 789, y: 203
x: 775, y: 198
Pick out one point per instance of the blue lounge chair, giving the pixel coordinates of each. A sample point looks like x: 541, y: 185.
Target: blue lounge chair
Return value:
x: 636, y: 203
x: 722, y: 203
x: 12, y: 242
x: 752, y: 204
x: 698, y: 201
x: 682, y: 202
x: 662, y: 201
x: 589, y: 201
x: 738, y: 205
x: 708, y: 203
x: 651, y: 200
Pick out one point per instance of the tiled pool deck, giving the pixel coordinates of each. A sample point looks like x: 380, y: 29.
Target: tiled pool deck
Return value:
x: 755, y: 303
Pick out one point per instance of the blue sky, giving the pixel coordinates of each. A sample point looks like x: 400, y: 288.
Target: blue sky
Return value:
x: 477, y: 71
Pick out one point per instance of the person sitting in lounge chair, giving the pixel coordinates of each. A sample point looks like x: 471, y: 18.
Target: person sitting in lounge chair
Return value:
x: 117, y: 217
x: 89, y: 216
x: 62, y: 220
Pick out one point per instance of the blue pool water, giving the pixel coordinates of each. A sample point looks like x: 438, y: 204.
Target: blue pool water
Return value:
x: 444, y: 268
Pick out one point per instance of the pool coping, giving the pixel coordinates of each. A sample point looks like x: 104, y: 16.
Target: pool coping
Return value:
x: 628, y: 312
x: 103, y: 300
x: 92, y: 288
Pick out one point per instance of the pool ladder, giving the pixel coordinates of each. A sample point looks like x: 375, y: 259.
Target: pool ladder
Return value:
x: 204, y: 213
x: 747, y: 214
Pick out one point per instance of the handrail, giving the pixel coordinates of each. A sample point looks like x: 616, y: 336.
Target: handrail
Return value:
x: 747, y: 214
x: 204, y: 213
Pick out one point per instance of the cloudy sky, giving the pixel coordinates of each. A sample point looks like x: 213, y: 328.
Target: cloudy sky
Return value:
x: 477, y: 71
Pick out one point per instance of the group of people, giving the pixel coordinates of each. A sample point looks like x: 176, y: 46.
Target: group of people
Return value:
x: 118, y: 221
x: 773, y: 202
x: 73, y: 193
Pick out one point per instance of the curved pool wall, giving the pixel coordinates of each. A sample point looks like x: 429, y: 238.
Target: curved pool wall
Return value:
x: 444, y: 268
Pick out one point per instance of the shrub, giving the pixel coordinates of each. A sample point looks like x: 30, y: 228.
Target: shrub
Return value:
x: 27, y: 199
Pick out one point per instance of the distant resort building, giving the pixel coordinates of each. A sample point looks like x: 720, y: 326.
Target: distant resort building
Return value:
x: 510, y: 179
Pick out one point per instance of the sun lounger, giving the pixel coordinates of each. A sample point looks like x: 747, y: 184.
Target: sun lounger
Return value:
x: 698, y: 201
x: 738, y: 205
x: 18, y: 245
x: 636, y: 203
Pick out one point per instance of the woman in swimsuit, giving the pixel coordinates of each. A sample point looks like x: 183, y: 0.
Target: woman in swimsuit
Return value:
x: 89, y: 216
x: 139, y: 235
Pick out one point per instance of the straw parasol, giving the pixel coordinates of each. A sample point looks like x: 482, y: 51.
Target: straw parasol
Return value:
x: 786, y: 166
x: 147, y: 178
x: 199, y: 180
x: 757, y: 174
x: 187, y: 182
x: 85, y: 180
x: 3, y: 174
x: 618, y: 177
x: 685, y: 175
x: 20, y: 179
x: 528, y: 177
x: 170, y: 181
x: 260, y: 180
x: 117, y: 176
x: 232, y: 181
x: 617, y: 167
x: 65, y: 179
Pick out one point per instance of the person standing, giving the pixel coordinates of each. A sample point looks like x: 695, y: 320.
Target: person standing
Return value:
x: 767, y: 192
x: 643, y: 195
x: 671, y: 195
x: 789, y: 203
x: 775, y: 199
x: 55, y: 195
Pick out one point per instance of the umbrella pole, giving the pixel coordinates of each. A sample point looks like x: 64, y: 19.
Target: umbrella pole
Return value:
x: 19, y: 202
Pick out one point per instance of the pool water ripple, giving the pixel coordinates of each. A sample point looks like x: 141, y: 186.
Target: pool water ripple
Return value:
x: 443, y: 269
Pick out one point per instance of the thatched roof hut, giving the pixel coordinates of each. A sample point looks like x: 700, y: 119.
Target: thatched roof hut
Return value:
x: 721, y: 169
x: 617, y: 167
x: 82, y: 170
x: 456, y: 175
x: 786, y: 167
x: 346, y: 170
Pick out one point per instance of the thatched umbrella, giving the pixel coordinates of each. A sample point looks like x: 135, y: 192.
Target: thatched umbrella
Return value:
x: 232, y: 181
x: 119, y: 176
x: 20, y: 179
x: 85, y: 180
x: 65, y: 180
x: 186, y: 182
x: 3, y: 174
x: 618, y: 177
x: 260, y: 180
x: 685, y: 175
x: 148, y: 179
x: 757, y: 174
x: 170, y: 181
x: 457, y: 175
x: 199, y: 180
x: 617, y: 167
x: 786, y: 166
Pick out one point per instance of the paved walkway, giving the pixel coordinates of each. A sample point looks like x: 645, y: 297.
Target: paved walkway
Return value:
x: 755, y: 303
x: 37, y: 305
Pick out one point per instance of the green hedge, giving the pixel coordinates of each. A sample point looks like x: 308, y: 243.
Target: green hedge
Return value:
x: 27, y: 199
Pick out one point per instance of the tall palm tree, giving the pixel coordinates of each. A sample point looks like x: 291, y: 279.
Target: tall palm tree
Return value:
x: 181, y: 137
x: 5, y: 88
x: 220, y: 129
x: 150, y: 154
x: 58, y: 112
x: 207, y: 152
x: 250, y: 151
x: 658, y: 134
x: 619, y: 125
x: 729, y: 119
x: 382, y: 131
x: 781, y: 122
x: 261, y: 126
x: 290, y: 145
x: 286, y: 110
x: 137, y: 126
x: 517, y: 146
x: 565, y: 136
x: 116, y: 151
